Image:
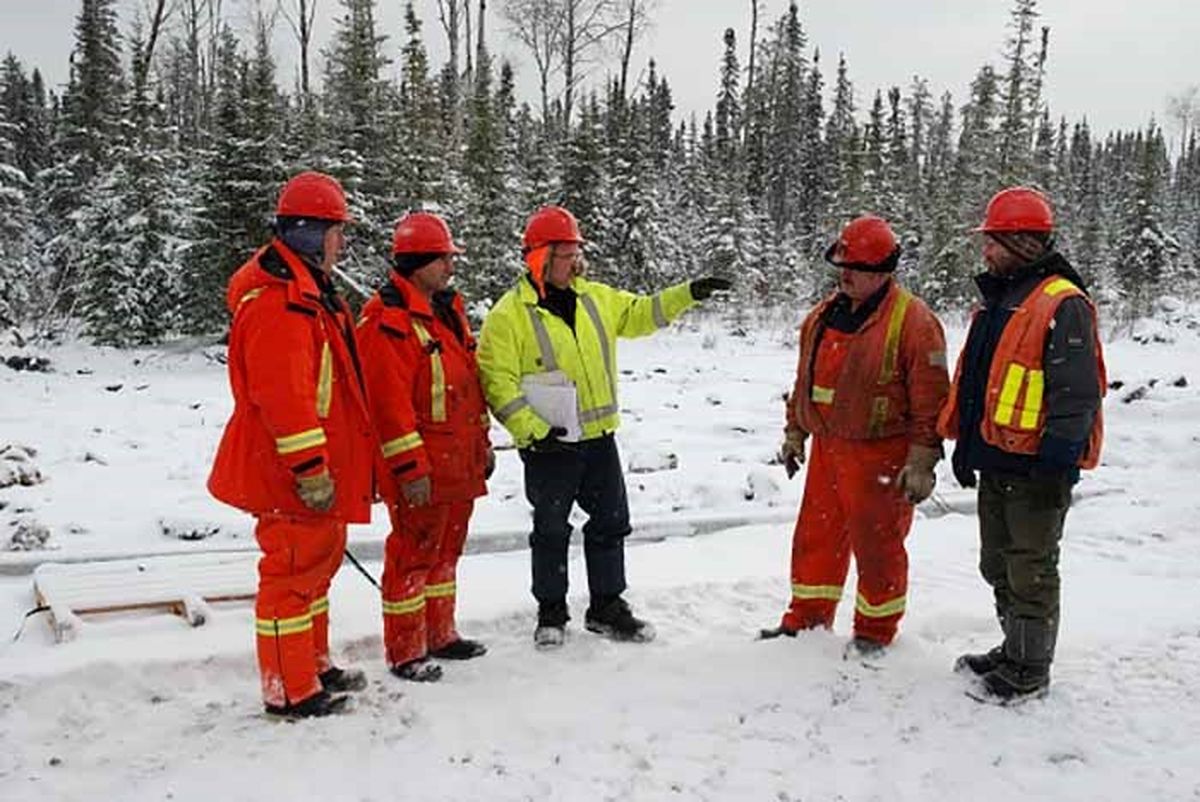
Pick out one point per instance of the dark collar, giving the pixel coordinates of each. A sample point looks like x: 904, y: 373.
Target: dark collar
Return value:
x: 839, y: 317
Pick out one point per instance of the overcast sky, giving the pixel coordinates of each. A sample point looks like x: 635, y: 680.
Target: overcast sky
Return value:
x: 1115, y: 61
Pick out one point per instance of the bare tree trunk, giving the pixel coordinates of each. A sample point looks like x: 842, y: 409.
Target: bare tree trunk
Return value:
x: 627, y: 48
x: 470, y: 74
x: 570, y: 52
x: 142, y: 69
x: 753, y: 46
x: 448, y: 13
x: 302, y: 27
x: 481, y: 45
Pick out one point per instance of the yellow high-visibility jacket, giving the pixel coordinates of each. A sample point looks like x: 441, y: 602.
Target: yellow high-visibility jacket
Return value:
x: 519, y: 338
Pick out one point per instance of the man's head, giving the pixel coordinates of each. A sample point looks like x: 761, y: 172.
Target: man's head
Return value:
x: 867, y: 253
x: 311, y: 216
x: 1017, y: 229
x: 553, y: 247
x: 423, y: 251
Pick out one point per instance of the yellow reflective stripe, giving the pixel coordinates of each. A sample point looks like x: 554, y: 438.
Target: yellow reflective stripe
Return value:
x: 437, y: 389
x: 250, y: 296
x: 891, y: 346
x: 442, y: 590
x: 325, y: 382
x: 822, y: 395
x: 890, y: 607
x: 320, y: 606
x: 1013, y: 379
x: 276, y: 627
x: 879, y: 414
x: 405, y: 606
x: 831, y: 592
x: 300, y: 441
x: 1058, y: 286
x: 401, y: 444
x: 1033, y: 399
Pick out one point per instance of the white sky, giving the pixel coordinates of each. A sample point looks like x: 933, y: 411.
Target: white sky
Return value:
x: 1114, y: 62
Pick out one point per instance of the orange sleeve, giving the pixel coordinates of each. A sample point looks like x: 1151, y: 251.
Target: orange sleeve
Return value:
x: 390, y: 360
x: 283, y: 365
x: 926, y: 377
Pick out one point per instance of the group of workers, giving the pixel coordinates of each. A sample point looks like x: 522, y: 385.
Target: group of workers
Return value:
x: 331, y: 414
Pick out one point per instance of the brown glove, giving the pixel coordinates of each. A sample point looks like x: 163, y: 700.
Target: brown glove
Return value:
x: 418, y: 492
x: 916, y: 479
x: 791, y: 453
x: 316, y: 491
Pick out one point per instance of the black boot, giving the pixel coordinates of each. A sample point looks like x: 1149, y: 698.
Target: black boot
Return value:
x: 551, y: 629
x: 1013, y: 682
x: 980, y: 663
x: 340, y: 680
x: 319, y: 705
x: 863, y: 648
x: 420, y: 670
x: 461, y: 649
x: 775, y: 632
x: 612, y: 618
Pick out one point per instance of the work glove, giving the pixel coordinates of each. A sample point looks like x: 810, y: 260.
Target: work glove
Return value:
x: 916, y: 479
x: 418, y: 492
x: 490, y: 465
x: 791, y: 453
x: 703, y: 288
x: 550, y: 443
x: 316, y: 491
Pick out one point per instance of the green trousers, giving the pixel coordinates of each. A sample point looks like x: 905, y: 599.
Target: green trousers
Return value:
x: 1020, y: 526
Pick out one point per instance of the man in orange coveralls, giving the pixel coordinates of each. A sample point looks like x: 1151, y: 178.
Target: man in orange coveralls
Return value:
x: 419, y: 358
x: 297, y: 452
x: 870, y: 381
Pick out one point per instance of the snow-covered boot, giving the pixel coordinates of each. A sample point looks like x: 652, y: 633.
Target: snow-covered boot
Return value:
x: 420, y: 670
x: 775, y: 632
x: 319, y: 705
x: 340, y: 680
x: 863, y: 648
x: 551, y: 629
x: 1013, y: 682
x: 460, y: 649
x: 612, y: 618
x: 980, y: 663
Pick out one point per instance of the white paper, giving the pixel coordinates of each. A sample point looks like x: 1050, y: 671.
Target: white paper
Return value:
x: 552, y: 396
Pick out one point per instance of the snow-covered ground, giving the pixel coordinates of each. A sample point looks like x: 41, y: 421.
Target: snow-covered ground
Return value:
x: 144, y: 707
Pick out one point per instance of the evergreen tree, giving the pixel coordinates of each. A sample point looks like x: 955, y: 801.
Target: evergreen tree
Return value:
x: 17, y: 265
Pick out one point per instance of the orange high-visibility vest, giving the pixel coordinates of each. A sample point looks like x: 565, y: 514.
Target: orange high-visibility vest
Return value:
x: 1014, y: 415
x: 893, y: 380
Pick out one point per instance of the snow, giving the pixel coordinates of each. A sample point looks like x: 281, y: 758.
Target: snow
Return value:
x: 141, y: 706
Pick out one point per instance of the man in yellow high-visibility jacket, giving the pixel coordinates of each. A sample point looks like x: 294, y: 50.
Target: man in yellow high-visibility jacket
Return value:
x: 555, y: 321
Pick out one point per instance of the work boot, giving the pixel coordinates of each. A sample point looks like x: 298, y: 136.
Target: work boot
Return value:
x: 319, y: 705
x: 980, y: 663
x: 1011, y: 683
x: 551, y: 629
x: 775, y: 632
x: 612, y: 618
x: 340, y: 680
x: 863, y: 648
x: 460, y: 649
x: 420, y: 670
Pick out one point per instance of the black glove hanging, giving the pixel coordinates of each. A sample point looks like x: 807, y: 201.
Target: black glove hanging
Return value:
x: 550, y: 443
x: 703, y: 288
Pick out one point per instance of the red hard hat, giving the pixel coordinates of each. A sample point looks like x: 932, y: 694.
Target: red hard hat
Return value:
x: 866, y: 243
x: 1018, y: 209
x: 550, y: 224
x: 312, y: 194
x: 423, y: 232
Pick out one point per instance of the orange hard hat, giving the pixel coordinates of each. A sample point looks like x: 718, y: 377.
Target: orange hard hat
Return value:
x: 548, y: 225
x: 423, y: 232
x: 866, y: 243
x: 1017, y: 209
x: 315, y: 195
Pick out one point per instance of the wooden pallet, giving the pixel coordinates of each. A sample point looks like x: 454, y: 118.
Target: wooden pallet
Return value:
x: 183, y: 585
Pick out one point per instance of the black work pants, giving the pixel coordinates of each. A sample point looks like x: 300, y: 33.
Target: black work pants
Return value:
x: 588, y: 473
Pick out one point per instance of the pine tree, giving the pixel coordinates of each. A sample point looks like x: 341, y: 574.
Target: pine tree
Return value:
x: 844, y: 163
x: 1146, y: 254
x: 1017, y: 125
x: 729, y: 106
x: 17, y: 263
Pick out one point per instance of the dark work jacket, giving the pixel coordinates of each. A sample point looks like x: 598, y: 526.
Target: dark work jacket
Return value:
x: 1072, y: 393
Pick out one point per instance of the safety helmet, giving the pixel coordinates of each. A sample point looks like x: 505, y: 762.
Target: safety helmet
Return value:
x: 423, y: 232
x: 315, y: 195
x: 1017, y: 209
x: 548, y: 225
x: 866, y: 243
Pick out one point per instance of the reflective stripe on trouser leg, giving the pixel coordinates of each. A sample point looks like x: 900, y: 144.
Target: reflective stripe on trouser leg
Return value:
x: 441, y: 588
x: 291, y: 573
x: 820, y: 547
x: 410, y: 552
x: 878, y: 519
x: 320, y: 606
